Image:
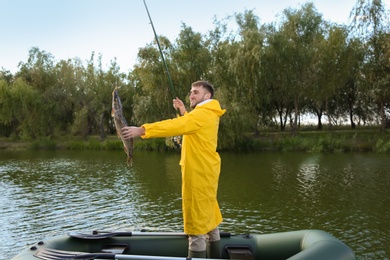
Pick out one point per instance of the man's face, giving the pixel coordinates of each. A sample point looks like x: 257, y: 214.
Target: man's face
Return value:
x: 197, y: 95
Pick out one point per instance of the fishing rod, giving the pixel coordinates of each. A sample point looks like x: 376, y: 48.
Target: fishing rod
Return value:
x: 175, y: 139
x: 171, y: 88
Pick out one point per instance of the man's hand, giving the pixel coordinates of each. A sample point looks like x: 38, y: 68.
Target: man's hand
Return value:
x: 132, y: 131
x: 178, y: 104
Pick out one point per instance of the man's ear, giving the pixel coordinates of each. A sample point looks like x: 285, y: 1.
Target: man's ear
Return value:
x: 208, y: 95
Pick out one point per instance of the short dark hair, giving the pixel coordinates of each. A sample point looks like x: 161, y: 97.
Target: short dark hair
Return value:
x: 206, y: 85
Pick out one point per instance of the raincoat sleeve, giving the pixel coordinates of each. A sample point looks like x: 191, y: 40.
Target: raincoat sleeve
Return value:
x: 186, y: 124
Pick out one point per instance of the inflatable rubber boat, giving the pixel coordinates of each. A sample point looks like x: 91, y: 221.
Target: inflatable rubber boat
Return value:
x: 293, y: 245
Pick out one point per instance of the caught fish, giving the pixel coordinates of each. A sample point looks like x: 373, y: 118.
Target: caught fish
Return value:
x: 120, y: 122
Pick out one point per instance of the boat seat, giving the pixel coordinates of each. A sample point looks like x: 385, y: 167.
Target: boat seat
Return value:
x: 114, y: 248
x: 240, y: 252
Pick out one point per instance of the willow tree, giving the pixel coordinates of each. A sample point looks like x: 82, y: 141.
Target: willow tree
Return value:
x: 191, y: 59
x: 153, y: 95
x: 370, y: 22
x: 38, y: 73
x: 6, y: 110
x: 6, y: 75
x: 245, y: 88
x: 85, y: 115
x: 275, y: 67
x: 329, y: 74
x: 70, y: 80
x: 102, y: 96
x: 302, y: 27
x: 221, y: 45
x: 27, y: 105
x: 349, y: 95
x: 38, y: 70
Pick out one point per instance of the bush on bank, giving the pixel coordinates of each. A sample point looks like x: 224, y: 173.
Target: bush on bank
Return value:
x: 311, y: 141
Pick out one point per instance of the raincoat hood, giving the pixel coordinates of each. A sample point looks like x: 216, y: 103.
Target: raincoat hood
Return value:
x: 213, y: 105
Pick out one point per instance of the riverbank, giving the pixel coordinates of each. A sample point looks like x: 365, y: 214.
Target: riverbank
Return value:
x: 369, y: 140
x: 78, y: 143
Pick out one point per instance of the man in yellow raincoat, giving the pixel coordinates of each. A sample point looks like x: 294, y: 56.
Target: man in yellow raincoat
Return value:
x: 200, y: 165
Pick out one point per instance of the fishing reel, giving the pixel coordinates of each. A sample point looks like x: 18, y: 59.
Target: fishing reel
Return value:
x: 177, y: 141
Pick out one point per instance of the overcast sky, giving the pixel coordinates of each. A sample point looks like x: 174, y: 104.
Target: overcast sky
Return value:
x: 118, y: 28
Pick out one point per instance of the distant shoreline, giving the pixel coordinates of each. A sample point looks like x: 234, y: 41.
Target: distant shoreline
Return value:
x: 369, y: 140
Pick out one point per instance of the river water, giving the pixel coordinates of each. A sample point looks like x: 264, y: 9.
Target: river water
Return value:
x: 47, y: 193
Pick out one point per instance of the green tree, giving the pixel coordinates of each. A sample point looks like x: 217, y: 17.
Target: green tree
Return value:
x: 370, y: 21
x: 245, y: 65
x: 328, y: 74
x: 6, y: 75
x: 6, y: 109
x: 27, y: 105
x: 191, y: 59
x: 94, y: 98
x: 302, y: 27
x: 349, y: 95
x: 39, y: 73
x: 153, y: 97
x: 275, y: 67
x: 69, y: 77
x: 38, y: 70
x: 234, y: 124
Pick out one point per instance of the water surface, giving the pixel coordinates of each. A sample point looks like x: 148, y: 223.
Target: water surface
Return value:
x: 51, y: 193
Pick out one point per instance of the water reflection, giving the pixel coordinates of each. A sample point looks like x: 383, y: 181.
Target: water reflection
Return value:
x: 45, y: 194
x: 308, y: 173
x: 280, y: 173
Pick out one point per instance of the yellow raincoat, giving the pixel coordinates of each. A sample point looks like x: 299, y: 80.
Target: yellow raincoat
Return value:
x: 200, y: 163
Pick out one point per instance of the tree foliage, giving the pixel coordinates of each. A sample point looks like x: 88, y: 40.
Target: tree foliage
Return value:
x: 266, y: 76
x: 371, y: 24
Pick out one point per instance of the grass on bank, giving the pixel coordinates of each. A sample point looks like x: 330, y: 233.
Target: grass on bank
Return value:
x: 94, y: 143
x: 325, y: 142
x: 309, y: 141
x: 78, y: 143
x: 362, y: 140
